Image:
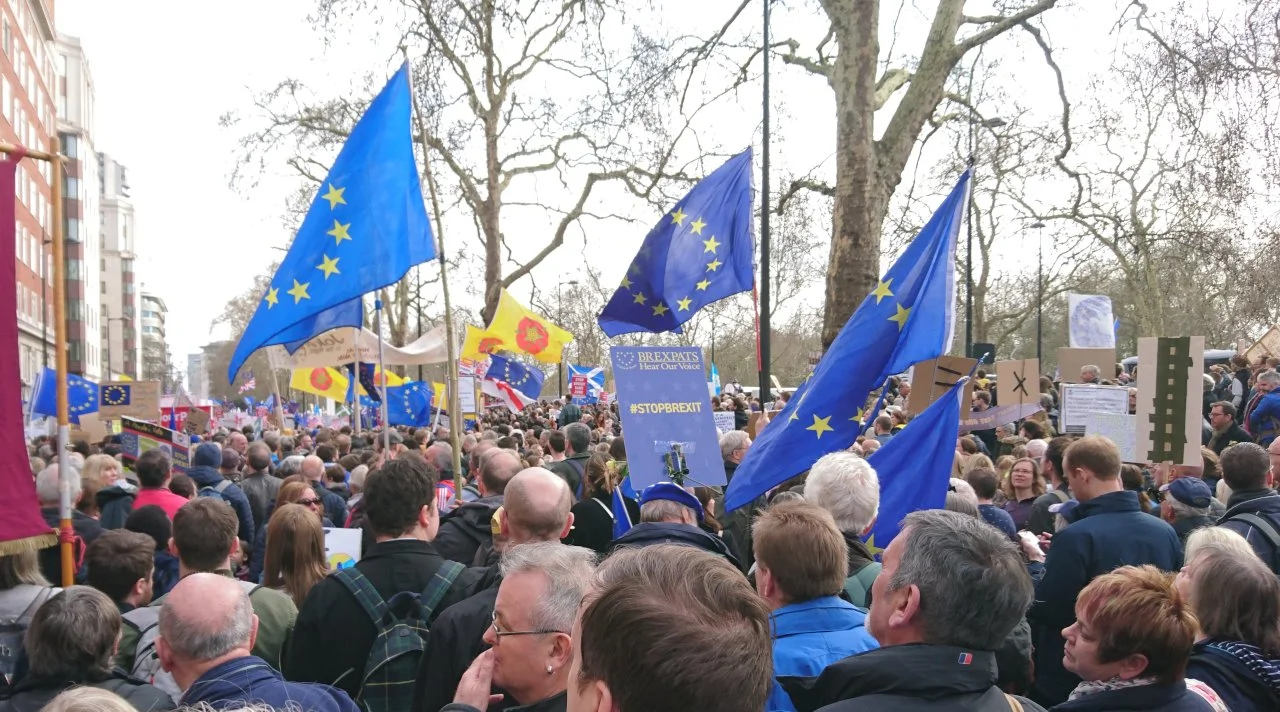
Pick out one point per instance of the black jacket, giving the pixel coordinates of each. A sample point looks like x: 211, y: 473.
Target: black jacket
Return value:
x: 31, y: 694
x: 649, y: 533
x: 1234, y: 434
x: 86, y: 530
x: 559, y: 703
x: 1148, y: 698
x: 332, y: 636
x: 1185, y: 525
x: 1264, y: 503
x: 335, y: 507
x: 465, y: 530
x: 115, y: 504
x: 261, y: 489
x: 456, y: 641
x: 1245, y: 677
x: 593, y: 522
x: 905, y: 678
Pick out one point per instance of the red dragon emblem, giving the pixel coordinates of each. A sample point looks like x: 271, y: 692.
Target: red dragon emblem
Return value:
x: 321, y: 379
x: 531, y: 336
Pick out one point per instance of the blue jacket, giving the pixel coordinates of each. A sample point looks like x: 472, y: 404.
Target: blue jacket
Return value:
x: 251, y: 679
x: 1110, y: 531
x: 809, y: 636
x: 648, y: 533
x: 1264, y: 421
x: 1242, y: 675
x: 1264, y: 503
x: 166, y: 574
x: 206, y: 476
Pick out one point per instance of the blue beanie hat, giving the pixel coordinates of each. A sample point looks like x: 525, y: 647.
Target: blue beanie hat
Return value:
x: 208, y: 455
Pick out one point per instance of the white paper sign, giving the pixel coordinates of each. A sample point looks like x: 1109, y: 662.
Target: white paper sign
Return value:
x: 1120, y: 429
x: 341, y: 547
x: 467, y: 394
x: 724, y: 420
x: 1081, y: 399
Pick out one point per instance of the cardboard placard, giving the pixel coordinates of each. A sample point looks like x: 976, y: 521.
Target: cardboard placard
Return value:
x: 91, y: 429
x: 196, y: 423
x: 1070, y: 361
x: 136, y: 399
x: 1018, y: 382
x: 1170, y: 398
x: 1268, y: 345
x: 930, y: 380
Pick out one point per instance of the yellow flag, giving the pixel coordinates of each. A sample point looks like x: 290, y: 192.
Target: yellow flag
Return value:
x: 328, y: 382
x: 437, y: 395
x: 522, y: 330
x: 479, y: 343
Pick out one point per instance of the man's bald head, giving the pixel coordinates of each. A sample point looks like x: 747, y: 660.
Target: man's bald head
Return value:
x: 207, y: 617
x: 536, y: 506
x: 497, y: 468
x: 312, y: 468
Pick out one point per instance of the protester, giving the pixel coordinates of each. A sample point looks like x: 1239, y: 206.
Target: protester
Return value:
x: 258, y: 484
x: 593, y: 516
x: 1185, y: 505
x: 1040, y: 521
x: 154, y: 523
x: 1023, y: 486
x: 296, y: 491
x: 577, y: 438
x: 295, y: 553
x: 625, y: 658
x: 154, y: 476
x: 986, y: 485
x: 22, y: 591
x: 1263, y: 416
x: 120, y: 564
x: 207, y: 630
x: 847, y: 487
x: 465, y: 535
x: 114, y: 498
x: 733, y: 448
x: 88, y: 699
x: 670, y: 514
x: 335, y: 507
x: 86, y: 529
x: 1253, y: 511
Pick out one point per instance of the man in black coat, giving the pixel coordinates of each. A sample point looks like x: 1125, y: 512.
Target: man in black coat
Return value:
x: 86, y: 528
x: 465, y: 534
x: 536, y: 509
x: 1225, y: 430
x: 333, y: 636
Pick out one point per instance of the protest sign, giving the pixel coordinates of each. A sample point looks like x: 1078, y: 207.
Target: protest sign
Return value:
x: 1079, y: 400
x: 196, y: 423
x: 578, y: 386
x: 931, y: 379
x: 1268, y: 345
x: 466, y: 395
x: 724, y: 420
x: 662, y: 400
x: 341, y: 547
x: 1070, y: 361
x: 1018, y: 382
x: 1118, y: 428
x: 998, y: 415
x: 139, y: 436
x: 1091, y: 324
x: 136, y: 399
x: 91, y: 429
x: 1170, y: 398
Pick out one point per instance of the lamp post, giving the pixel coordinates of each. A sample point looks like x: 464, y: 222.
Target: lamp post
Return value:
x: 109, y: 320
x: 560, y: 384
x: 968, y: 267
x: 1039, y: 290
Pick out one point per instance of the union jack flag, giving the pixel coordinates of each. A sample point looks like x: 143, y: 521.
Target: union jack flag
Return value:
x: 249, y: 384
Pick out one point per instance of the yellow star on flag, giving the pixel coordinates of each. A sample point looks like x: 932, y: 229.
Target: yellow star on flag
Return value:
x: 660, y: 310
x: 273, y: 297
x: 678, y: 216
x: 711, y: 245
x: 684, y: 303
x: 299, y: 291
x: 696, y: 226
x: 871, y: 546
x: 796, y: 415
x: 329, y: 266
x: 626, y: 282
x: 901, y: 316
x: 857, y: 418
x: 882, y: 290
x: 820, y: 425
x: 640, y: 298
x: 702, y: 286
x: 334, y: 196
x: 339, y: 232
x: 713, y: 265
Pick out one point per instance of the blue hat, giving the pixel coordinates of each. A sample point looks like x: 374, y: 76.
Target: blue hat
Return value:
x: 208, y: 455
x: 672, y: 493
x: 1191, y: 491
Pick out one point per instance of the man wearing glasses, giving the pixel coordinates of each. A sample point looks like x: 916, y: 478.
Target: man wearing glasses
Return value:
x: 1226, y: 431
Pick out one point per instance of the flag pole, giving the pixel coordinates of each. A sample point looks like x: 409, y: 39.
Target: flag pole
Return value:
x: 355, y: 389
x: 382, y: 369
x: 763, y: 328
x: 455, y: 417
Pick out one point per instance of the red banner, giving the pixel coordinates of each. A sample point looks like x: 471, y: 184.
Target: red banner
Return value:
x: 21, y: 525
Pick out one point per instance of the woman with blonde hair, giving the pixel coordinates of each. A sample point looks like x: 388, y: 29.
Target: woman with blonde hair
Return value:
x: 1021, y: 488
x: 113, y: 495
x: 295, y: 560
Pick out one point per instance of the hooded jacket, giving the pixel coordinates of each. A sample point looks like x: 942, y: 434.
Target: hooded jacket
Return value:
x: 251, y: 679
x: 649, y: 533
x: 204, y: 472
x: 1242, y: 675
x: 31, y: 694
x: 465, y: 531
x: 115, y: 504
x: 1149, y: 698
x: 1264, y: 420
x: 809, y: 636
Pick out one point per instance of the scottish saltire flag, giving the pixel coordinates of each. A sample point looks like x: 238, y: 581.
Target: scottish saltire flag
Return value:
x: 249, y: 384
x: 908, y: 317
x: 82, y: 396
x: 367, y: 227
x: 595, y: 381
x: 715, y: 380
x: 409, y: 404
x: 699, y: 253
x: 914, y: 466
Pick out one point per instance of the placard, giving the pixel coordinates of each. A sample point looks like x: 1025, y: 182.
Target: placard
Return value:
x: 136, y: 399
x: 931, y: 379
x: 662, y: 401
x: 578, y: 386
x: 1081, y: 399
x: 91, y: 429
x: 997, y: 415
x: 1070, y: 361
x: 1170, y: 399
x: 1090, y: 322
x: 1119, y: 429
x: 724, y: 420
x: 342, y: 547
x: 1268, y: 345
x: 139, y: 436
x: 1018, y: 382
x: 466, y: 394
x: 196, y: 423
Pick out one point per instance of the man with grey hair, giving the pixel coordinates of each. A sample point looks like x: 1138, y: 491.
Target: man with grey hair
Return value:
x: 1090, y: 374
x: 542, y: 586
x: 1184, y: 504
x: 465, y: 535
x: 1263, y: 417
x: 923, y: 615
x: 577, y: 439
x: 87, y: 529
x: 670, y: 514
x: 207, y: 630
x: 733, y: 447
x: 1036, y: 449
x: 847, y: 486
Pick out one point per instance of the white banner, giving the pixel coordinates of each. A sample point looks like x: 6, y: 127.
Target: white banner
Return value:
x: 337, y: 348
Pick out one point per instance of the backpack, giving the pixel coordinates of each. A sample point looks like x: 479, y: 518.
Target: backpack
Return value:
x: 858, y: 586
x: 11, y: 635
x: 218, y: 490
x: 391, y: 671
x: 1264, y: 528
x: 146, y: 659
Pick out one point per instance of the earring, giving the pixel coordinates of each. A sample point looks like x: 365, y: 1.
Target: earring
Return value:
x: 549, y: 670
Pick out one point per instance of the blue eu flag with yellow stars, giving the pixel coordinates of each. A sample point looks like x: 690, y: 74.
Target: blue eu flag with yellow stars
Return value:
x: 116, y: 394
x: 515, y: 374
x: 367, y: 227
x: 909, y: 317
x: 698, y: 253
x: 82, y: 396
x: 409, y: 404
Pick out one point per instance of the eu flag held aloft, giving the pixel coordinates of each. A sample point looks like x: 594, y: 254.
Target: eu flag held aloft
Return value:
x: 409, y: 404
x: 367, y: 227
x: 908, y: 317
x: 699, y: 253
x: 82, y: 396
x: 517, y: 375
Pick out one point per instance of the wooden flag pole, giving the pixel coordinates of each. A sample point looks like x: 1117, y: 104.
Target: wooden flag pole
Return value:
x: 455, y: 417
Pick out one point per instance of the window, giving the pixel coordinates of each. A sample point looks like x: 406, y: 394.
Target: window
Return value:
x: 8, y: 39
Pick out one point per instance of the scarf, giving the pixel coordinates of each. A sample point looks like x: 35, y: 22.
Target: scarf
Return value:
x: 1266, y: 670
x: 1096, y: 686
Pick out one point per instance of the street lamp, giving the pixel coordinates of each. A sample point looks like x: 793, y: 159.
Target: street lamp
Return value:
x: 968, y: 278
x: 109, y: 320
x: 1039, y: 290
x: 560, y: 384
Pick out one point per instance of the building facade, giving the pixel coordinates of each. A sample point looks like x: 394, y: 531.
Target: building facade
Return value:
x: 156, y: 364
x: 80, y: 220
x: 27, y: 80
x: 197, y: 377
x: 120, y: 288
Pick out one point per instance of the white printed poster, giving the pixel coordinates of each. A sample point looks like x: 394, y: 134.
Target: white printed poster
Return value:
x: 724, y: 420
x: 1079, y: 400
x: 1120, y: 429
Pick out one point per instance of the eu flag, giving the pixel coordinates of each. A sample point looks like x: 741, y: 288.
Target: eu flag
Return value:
x: 915, y: 466
x: 908, y: 317
x: 517, y: 375
x: 698, y: 253
x: 367, y: 227
x: 82, y: 396
x: 409, y: 404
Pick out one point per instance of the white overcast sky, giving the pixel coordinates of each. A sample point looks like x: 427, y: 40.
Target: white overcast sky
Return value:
x: 164, y: 72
